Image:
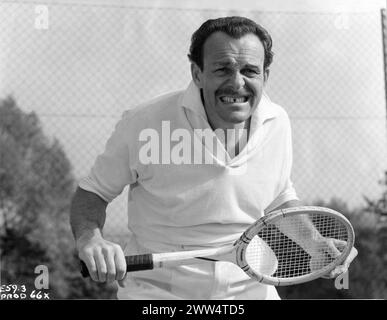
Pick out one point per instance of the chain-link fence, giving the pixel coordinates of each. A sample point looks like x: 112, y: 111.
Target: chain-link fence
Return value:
x: 80, y: 66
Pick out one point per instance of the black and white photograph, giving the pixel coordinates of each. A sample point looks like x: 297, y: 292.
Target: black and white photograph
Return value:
x: 206, y: 150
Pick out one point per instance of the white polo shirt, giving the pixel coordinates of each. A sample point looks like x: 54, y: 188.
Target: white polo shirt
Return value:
x: 195, y: 204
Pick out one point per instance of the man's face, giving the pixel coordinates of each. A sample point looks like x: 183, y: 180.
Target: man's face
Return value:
x: 232, y: 79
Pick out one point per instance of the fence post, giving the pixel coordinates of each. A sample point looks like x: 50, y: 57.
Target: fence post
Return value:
x: 383, y: 14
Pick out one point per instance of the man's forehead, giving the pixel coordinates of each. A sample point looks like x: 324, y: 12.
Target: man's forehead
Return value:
x: 221, y: 48
x: 225, y: 58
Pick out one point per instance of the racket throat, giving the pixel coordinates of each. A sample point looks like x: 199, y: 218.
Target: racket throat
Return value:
x: 206, y: 259
x: 161, y: 260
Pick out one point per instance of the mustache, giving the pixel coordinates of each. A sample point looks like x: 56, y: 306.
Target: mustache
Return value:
x: 231, y: 92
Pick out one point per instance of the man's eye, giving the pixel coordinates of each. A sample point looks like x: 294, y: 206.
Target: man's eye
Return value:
x: 221, y: 70
x: 251, y: 72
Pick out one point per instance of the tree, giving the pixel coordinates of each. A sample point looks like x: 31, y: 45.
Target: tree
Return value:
x: 36, y: 186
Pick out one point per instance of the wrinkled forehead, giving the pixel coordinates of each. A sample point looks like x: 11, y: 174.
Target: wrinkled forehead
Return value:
x: 220, y: 48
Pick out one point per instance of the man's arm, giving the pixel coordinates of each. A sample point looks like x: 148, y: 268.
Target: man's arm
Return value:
x: 104, y: 259
x: 298, y: 228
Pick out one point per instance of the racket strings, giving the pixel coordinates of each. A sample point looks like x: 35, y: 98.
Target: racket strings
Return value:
x: 297, y: 245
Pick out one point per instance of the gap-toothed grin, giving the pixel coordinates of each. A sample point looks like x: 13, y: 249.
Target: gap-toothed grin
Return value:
x: 231, y: 99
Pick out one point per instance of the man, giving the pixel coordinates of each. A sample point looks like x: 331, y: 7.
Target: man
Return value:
x: 205, y: 197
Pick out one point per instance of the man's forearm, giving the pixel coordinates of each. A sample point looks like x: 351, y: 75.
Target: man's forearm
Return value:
x: 298, y: 228
x: 88, y: 213
x: 104, y: 260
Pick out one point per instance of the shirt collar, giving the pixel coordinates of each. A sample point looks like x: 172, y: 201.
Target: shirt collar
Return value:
x: 191, y: 100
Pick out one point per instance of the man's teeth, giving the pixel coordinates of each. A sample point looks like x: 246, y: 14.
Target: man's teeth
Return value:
x: 233, y: 100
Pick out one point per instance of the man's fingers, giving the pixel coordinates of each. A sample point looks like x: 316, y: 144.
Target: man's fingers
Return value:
x: 91, y: 266
x: 120, y: 267
x: 120, y: 264
x: 344, y: 267
x: 338, y: 271
x: 331, y: 249
x: 352, y: 255
x: 110, y: 265
x: 101, y: 266
x: 334, y: 247
x: 340, y: 244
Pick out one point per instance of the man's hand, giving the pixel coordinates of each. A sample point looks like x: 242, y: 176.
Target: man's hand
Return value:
x: 105, y: 260
x: 344, y: 267
x: 325, y: 250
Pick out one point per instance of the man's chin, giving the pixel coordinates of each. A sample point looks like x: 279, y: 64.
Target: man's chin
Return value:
x: 237, y: 117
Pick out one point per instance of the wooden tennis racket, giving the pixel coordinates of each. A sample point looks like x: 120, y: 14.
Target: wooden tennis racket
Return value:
x: 285, y: 247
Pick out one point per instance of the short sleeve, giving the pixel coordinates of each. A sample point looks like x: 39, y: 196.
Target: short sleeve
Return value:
x: 112, y: 171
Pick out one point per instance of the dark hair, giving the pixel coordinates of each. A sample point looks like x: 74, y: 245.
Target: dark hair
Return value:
x: 235, y: 27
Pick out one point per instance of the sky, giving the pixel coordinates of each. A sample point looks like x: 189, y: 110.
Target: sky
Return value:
x: 80, y: 65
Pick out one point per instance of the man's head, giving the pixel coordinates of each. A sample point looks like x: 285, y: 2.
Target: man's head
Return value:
x: 230, y: 64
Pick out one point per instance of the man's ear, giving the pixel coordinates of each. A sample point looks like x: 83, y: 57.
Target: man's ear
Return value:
x: 196, y: 74
x: 266, y: 75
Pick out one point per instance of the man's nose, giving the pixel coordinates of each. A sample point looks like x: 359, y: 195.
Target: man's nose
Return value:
x: 237, y: 81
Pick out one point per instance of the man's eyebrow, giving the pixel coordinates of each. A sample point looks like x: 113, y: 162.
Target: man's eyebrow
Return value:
x: 223, y: 63
x: 252, y: 66
x: 230, y: 63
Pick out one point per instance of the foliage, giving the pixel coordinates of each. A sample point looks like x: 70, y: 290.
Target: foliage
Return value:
x: 36, y: 185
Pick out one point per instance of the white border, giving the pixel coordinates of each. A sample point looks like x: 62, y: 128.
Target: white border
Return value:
x: 240, y: 5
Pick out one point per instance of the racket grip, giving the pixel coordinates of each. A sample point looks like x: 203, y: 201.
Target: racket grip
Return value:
x: 133, y: 263
x: 139, y: 262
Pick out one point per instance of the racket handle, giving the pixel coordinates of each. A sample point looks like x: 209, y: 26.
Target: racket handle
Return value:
x: 133, y: 263
x: 139, y: 262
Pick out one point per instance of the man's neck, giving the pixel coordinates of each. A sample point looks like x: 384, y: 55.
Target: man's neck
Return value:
x: 234, y: 138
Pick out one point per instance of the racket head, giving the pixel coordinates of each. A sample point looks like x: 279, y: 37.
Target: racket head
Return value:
x: 270, y: 257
